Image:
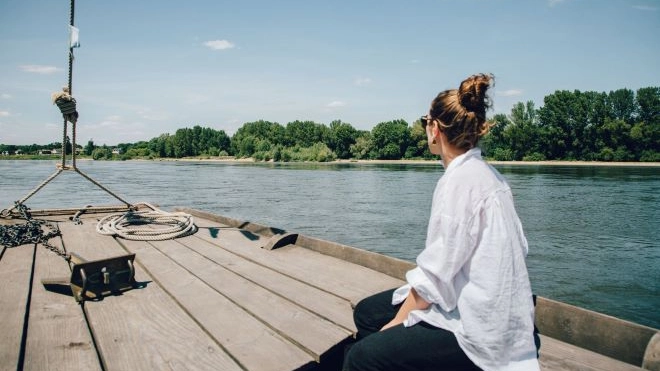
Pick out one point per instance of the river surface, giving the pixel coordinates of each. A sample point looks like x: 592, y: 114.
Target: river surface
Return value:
x: 593, y: 231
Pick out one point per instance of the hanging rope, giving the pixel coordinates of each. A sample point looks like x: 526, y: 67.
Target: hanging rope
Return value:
x: 149, y: 225
x: 67, y: 105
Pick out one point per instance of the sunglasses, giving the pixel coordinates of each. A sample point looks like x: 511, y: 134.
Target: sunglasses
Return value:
x: 425, y: 120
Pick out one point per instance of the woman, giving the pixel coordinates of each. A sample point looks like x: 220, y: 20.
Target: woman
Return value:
x: 468, y: 303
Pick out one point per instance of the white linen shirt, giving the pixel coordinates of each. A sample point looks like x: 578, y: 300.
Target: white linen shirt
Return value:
x: 473, y: 269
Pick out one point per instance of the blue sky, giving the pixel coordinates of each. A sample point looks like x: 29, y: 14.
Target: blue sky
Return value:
x: 149, y: 67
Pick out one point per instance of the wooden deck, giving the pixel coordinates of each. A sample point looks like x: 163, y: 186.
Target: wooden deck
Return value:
x: 215, y: 300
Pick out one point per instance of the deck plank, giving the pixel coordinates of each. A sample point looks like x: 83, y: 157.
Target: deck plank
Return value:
x: 318, y: 270
x: 253, y: 343
x: 58, y: 336
x: 142, y: 329
x: 559, y: 356
x: 276, y: 310
x: 15, y: 274
x: 323, y: 303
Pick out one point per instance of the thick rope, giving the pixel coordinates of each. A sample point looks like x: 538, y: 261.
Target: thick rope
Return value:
x: 149, y: 225
x: 102, y: 187
x: 70, y: 85
x: 5, y: 213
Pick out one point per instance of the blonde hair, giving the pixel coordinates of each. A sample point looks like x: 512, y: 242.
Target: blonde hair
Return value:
x: 462, y: 112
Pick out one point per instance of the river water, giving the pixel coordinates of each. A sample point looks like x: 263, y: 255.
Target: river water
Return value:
x: 593, y: 231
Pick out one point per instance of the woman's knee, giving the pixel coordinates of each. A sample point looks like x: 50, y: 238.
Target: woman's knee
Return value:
x: 360, y: 357
x: 373, y: 312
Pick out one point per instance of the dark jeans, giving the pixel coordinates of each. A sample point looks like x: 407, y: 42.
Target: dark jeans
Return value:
x: 416, y: 348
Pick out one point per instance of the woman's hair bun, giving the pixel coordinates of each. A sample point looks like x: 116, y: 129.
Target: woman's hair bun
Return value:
x: 472, y: 92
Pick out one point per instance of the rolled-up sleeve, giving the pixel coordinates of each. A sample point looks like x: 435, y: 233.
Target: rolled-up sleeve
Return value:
x: 449, y: 246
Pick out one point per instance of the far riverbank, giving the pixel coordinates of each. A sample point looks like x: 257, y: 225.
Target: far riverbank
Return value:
x: 424, y: 162
x: 231, y: 159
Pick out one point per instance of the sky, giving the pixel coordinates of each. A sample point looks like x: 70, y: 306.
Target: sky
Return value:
x: 146, y: 68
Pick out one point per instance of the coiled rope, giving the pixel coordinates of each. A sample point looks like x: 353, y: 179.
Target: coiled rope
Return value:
x: 148, y: 225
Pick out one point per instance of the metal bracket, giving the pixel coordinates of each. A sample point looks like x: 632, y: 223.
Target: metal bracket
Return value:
x: 93, y: 279
x: 96, y: 278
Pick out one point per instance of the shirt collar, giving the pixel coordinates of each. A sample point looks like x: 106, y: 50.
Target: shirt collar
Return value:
x: 458, y: 161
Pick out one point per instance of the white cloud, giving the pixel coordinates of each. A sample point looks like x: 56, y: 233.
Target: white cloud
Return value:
x: 150, y: 115
x: 4, y: 113
x: 335, y: 104
x: 555, y: 2
x: 196, y: 98
x: 35, y: 68
x: 362, y: 81
x: 107, y: 124
x: 510, y: 93
x: 5, y: 96
x: 645, y: 8
x: 219, y: 44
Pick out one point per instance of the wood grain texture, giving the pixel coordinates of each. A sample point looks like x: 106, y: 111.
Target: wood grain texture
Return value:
x: 142, y: 329
x: 15, y: 273
x: 323, y: 303
x: 276, y: 310
x: 252, y: 342
x: 593, y: 331
x: 58, y: 336
x: 559, y: 356
x: 321, y: 271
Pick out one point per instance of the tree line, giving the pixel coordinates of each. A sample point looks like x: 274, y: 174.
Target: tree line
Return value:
x: 617, y: 126
x: 621, y: 125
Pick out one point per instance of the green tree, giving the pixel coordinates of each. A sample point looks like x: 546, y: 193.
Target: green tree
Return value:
x: 181, y: 143
x: 341, y: 136
x: 648, y: 105
x: 243, y: 141
x: 10, y: 148
x: 363, y: 147
x: 305, y: 133
x: 418, y: 146
x: 600, y: 110
x: 158, y: 145
x: 102, y: 153
x: 494, y: 139
x: 89, y: 148
x: 390, y: 139
x: 564, y: 117
x: 30, y: 149
x: 622, y: 105
x: 522, y: 134
x: 613, y: 135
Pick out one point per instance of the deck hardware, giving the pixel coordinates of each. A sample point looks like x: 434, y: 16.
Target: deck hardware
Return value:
x: 106, y: 276
x: 93, y: 279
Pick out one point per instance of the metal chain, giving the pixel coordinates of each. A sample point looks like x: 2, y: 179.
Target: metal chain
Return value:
x: 31, y: 232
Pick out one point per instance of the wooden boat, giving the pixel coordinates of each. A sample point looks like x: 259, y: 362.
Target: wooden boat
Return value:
x: 237, y: 295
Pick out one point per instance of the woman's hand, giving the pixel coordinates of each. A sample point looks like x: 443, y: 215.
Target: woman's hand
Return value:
x: 412, y: 302
x: 391, y: 324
